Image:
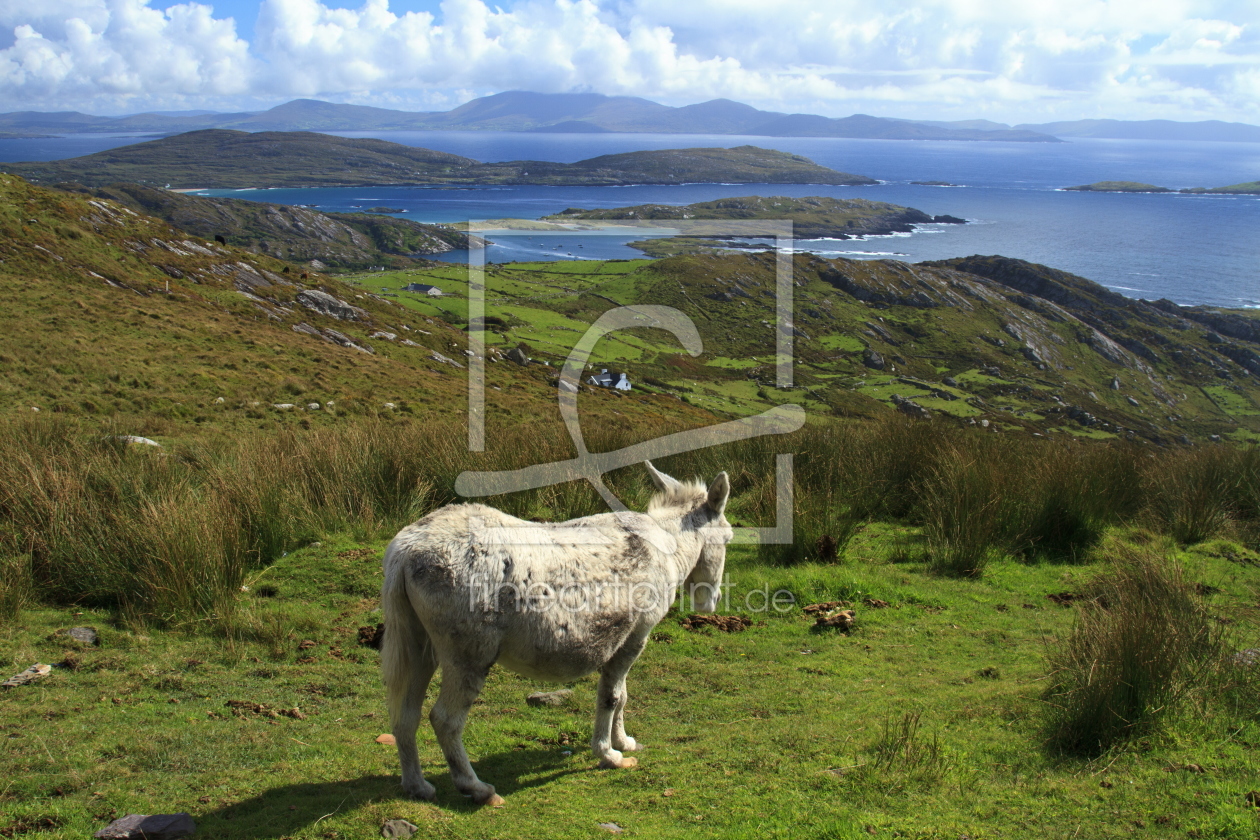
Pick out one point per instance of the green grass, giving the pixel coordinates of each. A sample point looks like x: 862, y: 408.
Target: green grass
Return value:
x: 775, y: 732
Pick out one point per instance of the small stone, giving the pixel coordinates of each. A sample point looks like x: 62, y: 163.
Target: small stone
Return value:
x: 612, y: 828
x: 314, y: 406
x: 86, y: 635
x: 35, y: 672
x: 549, y: 698
x: 398, y: 828
x: 517, y: 355
x: 145, y: 827
x: 386, y: 739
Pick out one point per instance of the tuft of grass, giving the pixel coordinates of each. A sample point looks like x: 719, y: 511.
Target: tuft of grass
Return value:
x: 1143, y: 641
x: 904, y: 753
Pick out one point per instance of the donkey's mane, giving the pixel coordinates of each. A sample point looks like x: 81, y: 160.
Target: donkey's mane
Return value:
x: 684, y: 494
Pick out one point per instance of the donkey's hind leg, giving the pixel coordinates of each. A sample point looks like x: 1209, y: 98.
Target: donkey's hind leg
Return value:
x: 461, y: 683
x: 405, y: 724
x: 609, y: 738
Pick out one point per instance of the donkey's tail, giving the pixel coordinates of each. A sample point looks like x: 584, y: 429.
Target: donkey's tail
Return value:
x: 405, y: 648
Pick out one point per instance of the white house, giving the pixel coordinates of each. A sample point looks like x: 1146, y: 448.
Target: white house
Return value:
x: 604, y: 379
x: 423, y: 288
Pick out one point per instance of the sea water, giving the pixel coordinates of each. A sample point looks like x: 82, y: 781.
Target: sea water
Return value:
x: 1191, y: 249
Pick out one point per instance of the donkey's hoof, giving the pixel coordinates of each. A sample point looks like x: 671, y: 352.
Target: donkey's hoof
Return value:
x: 493, y: 800
x: 629, y: 745
x: 624, y: 762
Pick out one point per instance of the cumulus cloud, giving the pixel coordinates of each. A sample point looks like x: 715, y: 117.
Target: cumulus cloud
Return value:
x: 940, y: 58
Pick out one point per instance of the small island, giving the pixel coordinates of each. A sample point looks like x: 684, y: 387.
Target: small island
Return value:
x: 813, y: 217
x: 1118, y: 187
x: 933, y: 184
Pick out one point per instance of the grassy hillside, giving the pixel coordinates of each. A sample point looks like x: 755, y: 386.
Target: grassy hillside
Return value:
x: 117, y: 317
x: 984, y: 339
x: 238, y: 160
x: 295, y: 234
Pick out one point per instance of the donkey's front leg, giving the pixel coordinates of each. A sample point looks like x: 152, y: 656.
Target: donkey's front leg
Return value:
x: 609, y: 737
x: 460, y: 686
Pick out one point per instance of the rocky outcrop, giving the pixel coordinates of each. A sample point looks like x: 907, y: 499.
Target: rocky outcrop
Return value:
x: 333, y: 307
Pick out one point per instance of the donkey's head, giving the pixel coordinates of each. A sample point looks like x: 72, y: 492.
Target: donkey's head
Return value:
x: 702, y: 511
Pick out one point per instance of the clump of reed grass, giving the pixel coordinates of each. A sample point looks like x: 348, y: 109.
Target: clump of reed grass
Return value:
x: 1143, y: 642
x: 1194, y: 494
x: 17, y: 589
x: 967, y: 510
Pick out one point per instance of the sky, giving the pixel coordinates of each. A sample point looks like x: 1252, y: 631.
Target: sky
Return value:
x: 1006, y: 60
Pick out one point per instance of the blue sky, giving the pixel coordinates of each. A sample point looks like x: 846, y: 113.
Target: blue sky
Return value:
x: 938, y: 59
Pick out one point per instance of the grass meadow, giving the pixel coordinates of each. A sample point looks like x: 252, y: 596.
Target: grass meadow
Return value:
x: 1046, y: 644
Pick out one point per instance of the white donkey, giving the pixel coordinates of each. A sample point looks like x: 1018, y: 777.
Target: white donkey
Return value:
x: 468, y: 586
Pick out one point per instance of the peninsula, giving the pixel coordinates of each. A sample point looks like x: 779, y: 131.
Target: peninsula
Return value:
x: 1247, y: 188
x: 343, y: 241
x: 223, y: 159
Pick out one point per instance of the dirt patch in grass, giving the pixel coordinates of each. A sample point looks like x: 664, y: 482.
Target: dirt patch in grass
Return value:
x: 244, y: 708
x: 725, y: 623
x: 25, y: 826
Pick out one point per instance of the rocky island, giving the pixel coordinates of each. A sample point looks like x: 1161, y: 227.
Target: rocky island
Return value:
x: 222, y: 159
x: 1118, y: 186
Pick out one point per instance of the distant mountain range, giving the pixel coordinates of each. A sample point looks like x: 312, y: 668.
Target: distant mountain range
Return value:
x: 519, y: 111
x: 597, y: 113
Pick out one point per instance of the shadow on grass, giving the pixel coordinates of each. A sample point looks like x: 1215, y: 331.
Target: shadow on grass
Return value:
x: 291, y: 809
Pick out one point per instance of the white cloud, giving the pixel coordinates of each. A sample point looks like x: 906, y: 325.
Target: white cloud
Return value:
x: 940, y: 58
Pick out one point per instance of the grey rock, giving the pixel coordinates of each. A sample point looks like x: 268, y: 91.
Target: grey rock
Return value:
x: 951, y: 382
x: 549, y: 698
x: 85, y: 635
x: 907, y: 406
x: 346, y: 341
x: 517, y: 355
x: 398, y: 828
x: 146, y: 827
x: 1115, y: 383
x: 446, y: 360
x: 1133, y: 402
x: 873, y: 360
x: 326, y: 304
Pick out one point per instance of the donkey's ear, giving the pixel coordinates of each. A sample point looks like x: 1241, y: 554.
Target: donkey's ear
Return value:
x: 661, y: 480
x: 719, y: 492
